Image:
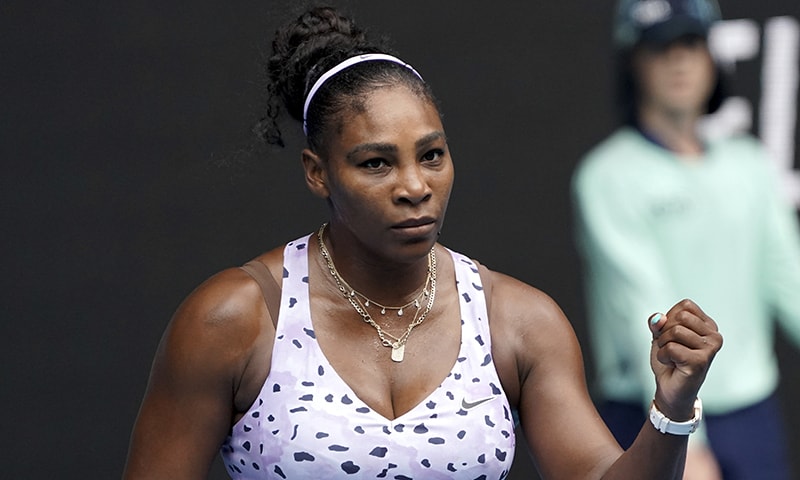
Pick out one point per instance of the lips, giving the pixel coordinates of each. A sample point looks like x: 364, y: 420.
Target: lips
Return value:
x: 416, y: 228
x: 415, y: 222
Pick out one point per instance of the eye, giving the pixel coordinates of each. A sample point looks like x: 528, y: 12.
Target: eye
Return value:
x: 373, y: 163
x: 433, y: 155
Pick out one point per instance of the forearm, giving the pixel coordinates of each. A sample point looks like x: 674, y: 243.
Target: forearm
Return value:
x: 653, y: 455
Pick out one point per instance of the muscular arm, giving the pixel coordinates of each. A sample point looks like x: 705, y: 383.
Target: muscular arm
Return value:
x: 540, y: 361
x: 189, y: 403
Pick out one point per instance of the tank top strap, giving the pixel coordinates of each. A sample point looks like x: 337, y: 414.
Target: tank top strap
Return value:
x: 294, y: 322
x: 473, y: 302
x: 269, y: 287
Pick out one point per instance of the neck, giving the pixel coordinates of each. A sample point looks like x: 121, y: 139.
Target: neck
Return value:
x: 676, y: 131
x: 383, y: 283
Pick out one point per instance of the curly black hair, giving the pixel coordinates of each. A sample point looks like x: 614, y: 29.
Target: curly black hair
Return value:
x: 303, y: 50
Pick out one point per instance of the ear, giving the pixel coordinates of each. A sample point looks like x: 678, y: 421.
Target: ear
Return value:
x: 315, y: 173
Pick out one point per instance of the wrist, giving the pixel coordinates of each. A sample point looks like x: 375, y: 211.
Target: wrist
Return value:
x: 677, y: 408
x: 665, y: 424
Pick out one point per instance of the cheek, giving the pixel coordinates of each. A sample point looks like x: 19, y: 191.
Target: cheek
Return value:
x: 354, y: 203
x: 447, y: 186
x: 448, y: 176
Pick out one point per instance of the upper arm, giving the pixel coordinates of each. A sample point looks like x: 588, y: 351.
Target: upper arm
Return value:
x: 567, y: 437
x: 188, y: 407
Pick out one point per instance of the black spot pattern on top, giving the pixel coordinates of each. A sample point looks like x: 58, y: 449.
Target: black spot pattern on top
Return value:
x: 487, y: 360
x: 303, y: 457
x: 350, y: 468
x: 379, y: 452
x: 317, y: 424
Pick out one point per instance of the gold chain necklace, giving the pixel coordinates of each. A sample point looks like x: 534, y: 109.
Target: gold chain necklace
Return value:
x: 397, y: 344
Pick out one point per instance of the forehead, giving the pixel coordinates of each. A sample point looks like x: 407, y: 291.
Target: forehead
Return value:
x: 387, y: 114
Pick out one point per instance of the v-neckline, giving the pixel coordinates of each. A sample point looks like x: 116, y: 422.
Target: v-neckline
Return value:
x: 326, y: 364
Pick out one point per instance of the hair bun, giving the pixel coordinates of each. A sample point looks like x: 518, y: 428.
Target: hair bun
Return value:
x: 318, y: 34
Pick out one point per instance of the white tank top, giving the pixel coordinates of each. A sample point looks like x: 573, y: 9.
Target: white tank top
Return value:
x: 308, y: 423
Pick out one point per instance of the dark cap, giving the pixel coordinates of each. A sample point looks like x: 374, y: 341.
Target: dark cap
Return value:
x: 661, y: 21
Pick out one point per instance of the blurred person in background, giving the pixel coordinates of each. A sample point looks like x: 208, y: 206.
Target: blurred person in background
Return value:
x: 662, y: 214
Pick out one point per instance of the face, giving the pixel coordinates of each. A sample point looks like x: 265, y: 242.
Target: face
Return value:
x: 676, y: 79
x: 386, y: 172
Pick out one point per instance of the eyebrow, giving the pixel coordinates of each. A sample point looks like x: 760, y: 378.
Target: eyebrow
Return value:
x: 391, y: 148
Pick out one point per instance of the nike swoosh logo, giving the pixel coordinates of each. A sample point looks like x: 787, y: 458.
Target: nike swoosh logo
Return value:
x: 467, y: 405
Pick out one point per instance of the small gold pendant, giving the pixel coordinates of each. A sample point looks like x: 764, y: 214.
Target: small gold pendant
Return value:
x: 398, y: 352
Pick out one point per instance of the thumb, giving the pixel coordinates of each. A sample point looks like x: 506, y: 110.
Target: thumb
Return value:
x: 656, y: 322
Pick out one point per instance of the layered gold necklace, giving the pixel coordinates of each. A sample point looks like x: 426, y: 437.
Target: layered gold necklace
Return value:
x: 360, y: 302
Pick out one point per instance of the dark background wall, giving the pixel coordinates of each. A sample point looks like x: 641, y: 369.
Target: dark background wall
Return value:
x: 129, y: 176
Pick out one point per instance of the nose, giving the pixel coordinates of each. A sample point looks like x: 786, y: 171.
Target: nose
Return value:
x: 412, y: 185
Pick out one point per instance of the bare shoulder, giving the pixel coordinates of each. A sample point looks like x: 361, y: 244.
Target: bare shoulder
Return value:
x: 529, y: 330
x: 205, y: 371
x: 520, y: 307
x: 221, y: 321
x: 223, y: 303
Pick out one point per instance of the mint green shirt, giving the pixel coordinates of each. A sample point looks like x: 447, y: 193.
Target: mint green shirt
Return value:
x: 654, y: 228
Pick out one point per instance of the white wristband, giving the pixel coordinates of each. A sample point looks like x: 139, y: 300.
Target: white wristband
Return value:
x: 666, y: 425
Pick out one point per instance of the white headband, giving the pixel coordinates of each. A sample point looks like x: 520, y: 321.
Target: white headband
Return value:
x: 345, y: 64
